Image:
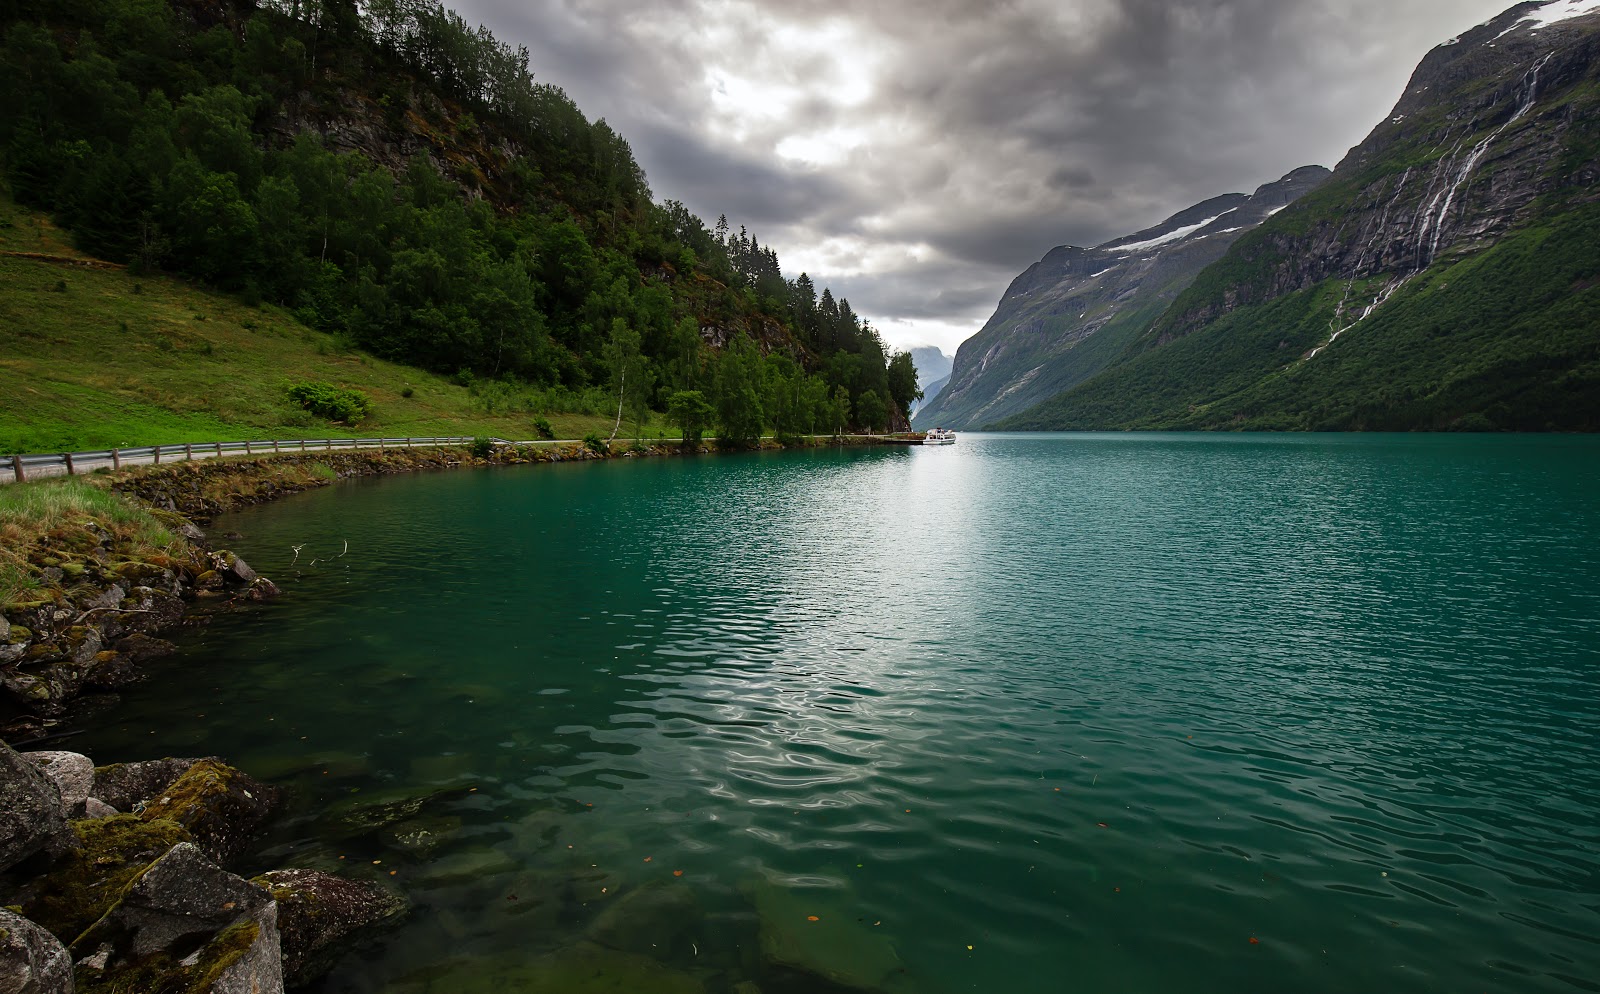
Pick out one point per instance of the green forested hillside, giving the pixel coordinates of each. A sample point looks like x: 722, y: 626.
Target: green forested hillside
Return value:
x: 390, y: 176
x: 1507, y: 339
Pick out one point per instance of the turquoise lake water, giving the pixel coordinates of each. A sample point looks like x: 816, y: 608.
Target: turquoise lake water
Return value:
x: 1026, y: 714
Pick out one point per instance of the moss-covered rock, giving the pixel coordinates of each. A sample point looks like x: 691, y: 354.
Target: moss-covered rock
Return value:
x: 221, y: 807
x: 89, y: 879
x: 184, y: 926
x: 322, y: 917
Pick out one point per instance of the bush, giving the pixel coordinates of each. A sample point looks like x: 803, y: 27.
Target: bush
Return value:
x: 482, y: 447
x: 407, y: 393
x: 328, y: 401
x: 542, y: 427
x: 595, y: 442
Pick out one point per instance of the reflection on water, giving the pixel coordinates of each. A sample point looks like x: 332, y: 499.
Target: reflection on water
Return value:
x: 1032, y: 713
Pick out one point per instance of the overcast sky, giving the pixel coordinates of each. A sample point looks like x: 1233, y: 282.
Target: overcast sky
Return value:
x: 916, y: 155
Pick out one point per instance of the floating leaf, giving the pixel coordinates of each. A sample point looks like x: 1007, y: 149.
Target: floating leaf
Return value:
x: 813, y: 918
x: 677, y: 873
x: 1255, y: 941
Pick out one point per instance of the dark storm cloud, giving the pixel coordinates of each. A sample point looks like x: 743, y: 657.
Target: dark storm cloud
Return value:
x: 920, y: 154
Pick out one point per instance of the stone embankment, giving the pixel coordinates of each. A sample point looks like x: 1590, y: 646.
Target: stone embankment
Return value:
x: 112, y: 879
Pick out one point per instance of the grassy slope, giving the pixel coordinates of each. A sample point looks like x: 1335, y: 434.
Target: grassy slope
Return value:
x: 1504, y: 338
x: 115, y: 360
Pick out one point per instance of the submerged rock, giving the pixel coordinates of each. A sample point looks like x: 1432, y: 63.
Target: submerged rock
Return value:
x: 32, y: 961
x: 803, y: 930
x: 73, y: 775
x: 422, y: 836
x: 321, y: 917
x: 648, y: 919
x: 583, y: 969
x: 31, y: 817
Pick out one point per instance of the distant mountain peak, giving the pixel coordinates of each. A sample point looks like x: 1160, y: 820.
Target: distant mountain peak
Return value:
x: 1071, y: 312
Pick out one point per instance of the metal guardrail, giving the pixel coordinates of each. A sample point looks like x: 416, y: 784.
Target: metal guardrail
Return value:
x: 23, y: 468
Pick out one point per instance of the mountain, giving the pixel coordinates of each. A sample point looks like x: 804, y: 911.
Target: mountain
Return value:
x: 933, y: 372
x: 1447, y: 276
x: 1074, y: 311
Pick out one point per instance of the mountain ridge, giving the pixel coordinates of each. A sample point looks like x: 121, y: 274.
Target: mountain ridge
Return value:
x: 1071, y: 313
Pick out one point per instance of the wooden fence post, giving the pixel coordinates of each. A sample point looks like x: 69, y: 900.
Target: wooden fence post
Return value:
x: 275, y: 448
x: 188, y: 451
x: 157, y: 450
x: 16, y: 467
x: 219, y: 450
x: 68, y: 457
x: 246, y: 447
x: 116, y: 458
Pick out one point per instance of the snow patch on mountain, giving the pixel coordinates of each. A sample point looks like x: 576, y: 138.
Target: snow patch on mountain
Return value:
x: 1553, y: 13
x: 1177, y: 234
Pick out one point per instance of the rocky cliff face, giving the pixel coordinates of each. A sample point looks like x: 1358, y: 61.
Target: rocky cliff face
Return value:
x: 1444, y: 277
x: 1073, y: 312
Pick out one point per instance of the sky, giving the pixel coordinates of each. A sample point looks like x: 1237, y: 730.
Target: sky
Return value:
x: 916, y: 155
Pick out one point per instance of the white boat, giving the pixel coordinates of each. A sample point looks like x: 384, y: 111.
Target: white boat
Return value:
x: 939, y: 436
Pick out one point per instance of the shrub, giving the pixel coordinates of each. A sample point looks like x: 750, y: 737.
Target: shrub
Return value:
x: 328, y: 401
x: 542, y: 427
x: 408, y: 393
x: 482, y: 447
x: 594, y: 442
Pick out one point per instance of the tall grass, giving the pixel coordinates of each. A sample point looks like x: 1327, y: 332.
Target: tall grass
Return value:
x: 31, y: 512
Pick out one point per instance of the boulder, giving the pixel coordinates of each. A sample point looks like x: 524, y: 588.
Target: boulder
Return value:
x: 126, y: 786
x: 72, y: 773
x: 221, y: 807
x: 185, y: 924
x: 321, y: 917
x: 32, y: 961
x: 31, y: 818
x: 232, y: 567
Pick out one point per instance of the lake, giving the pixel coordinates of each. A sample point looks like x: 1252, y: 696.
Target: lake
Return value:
x: 1029, y: 713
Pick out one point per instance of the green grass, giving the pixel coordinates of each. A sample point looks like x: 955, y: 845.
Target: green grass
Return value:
x: 31, y: 512
x: 95, y: 358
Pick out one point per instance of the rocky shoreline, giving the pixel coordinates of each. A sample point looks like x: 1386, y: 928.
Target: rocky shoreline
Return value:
x: 114, y: 880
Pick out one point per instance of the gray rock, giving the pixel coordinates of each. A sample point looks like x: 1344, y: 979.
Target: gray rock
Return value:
x: 187, y: 908
x: 96, y: 808
x: 72, y: 772
x: 232, y: 567
x: 126, y: 786
x: 30, y: 810
x: 32, y: 961
x: 321, y: 917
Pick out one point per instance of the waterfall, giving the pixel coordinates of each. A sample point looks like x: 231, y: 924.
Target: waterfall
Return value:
x: 1436, y: 221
